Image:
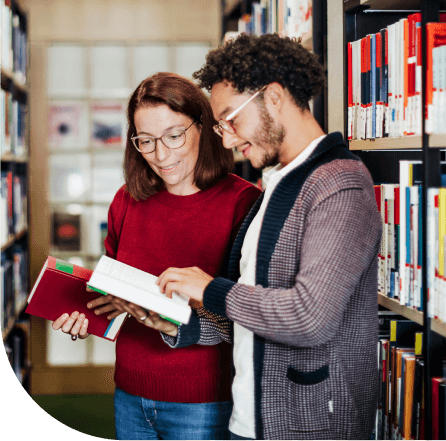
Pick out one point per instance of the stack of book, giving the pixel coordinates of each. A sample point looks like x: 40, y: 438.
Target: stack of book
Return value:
x: 400, y: 257
x: 13, y: 203
x: 384, y: 81
x: 291, y: 18
x: 401, y: 401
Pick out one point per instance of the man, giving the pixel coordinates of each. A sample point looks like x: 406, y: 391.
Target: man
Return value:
x: 302, y: 286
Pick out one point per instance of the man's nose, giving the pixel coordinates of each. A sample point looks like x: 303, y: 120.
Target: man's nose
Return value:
x: 229, y: 140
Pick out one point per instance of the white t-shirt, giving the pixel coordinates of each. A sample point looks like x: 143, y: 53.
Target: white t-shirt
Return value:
x: 242, y: 420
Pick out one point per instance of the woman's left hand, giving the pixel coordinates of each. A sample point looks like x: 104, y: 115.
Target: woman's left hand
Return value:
x: 148, y: 318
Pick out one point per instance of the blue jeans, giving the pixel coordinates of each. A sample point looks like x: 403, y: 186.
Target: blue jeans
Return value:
x: 140, y: 418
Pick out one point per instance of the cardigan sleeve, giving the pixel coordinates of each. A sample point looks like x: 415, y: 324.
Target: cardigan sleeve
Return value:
x: 340, y: 244
x: 206, y: 327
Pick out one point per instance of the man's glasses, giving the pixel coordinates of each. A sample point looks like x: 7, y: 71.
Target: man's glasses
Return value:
x: 225, y: 125
x: 172, y: 140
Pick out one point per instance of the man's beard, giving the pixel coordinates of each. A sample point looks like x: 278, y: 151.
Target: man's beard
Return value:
x: 271, y: 136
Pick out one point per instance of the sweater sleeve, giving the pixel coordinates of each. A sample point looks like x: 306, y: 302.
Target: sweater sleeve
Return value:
x: 116, y: 216
x: 340, y: 244
x: 206, y: 327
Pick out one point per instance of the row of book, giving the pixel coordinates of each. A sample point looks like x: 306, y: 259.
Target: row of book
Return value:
x: 14, y: 46
x: 401, y: 256
x: 292, y: 18
x: 13, y: 117
x: 14, y: 280
x: 401, y: 387
x: 384, y: 81
x: 13, y: 203
x: 16, y: 347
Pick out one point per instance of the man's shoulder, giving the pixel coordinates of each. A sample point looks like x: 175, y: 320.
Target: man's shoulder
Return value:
x: 340, y: 174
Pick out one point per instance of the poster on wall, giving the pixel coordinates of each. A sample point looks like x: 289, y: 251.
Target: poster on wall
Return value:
x: 107, y: 124
x: 67, y: 124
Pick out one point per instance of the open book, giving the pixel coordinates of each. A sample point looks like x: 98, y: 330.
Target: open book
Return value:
x: 139, y: 287
x: 61, y: 288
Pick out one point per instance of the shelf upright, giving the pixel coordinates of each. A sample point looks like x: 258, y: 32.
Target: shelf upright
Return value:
x: 431, y: 178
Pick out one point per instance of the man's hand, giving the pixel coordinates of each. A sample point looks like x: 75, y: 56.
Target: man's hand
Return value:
x: 188, y: 281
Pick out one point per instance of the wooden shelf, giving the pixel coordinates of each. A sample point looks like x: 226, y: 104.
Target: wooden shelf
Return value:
x: 11, y: 157
x: 13, y: 239
x: 230, y: 5
x: 383, y: 5
x: 412, y: 314
x: 405, y: 142
x: 8, y: 75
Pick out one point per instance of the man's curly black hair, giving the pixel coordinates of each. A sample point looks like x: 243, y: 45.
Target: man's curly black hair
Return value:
x: 250, y: 62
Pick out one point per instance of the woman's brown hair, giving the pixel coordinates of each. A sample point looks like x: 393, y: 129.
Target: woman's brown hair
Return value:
x: 183, y: 96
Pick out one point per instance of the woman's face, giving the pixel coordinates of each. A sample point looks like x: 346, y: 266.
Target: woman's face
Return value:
x: 174, y: 166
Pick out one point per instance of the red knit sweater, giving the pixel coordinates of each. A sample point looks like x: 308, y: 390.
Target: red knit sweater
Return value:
x: 168, y: 230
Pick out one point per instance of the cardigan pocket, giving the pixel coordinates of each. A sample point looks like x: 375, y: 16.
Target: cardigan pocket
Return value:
x: 309, y: 396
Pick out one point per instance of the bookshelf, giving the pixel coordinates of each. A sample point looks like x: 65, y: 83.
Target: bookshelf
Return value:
x: 361, y: 18
x: 14, y: 156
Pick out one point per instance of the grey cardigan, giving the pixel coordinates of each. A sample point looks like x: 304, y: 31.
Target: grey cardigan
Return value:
x: 314, y: 309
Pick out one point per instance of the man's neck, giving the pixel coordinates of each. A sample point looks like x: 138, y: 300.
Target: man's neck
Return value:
x: 301, y: 129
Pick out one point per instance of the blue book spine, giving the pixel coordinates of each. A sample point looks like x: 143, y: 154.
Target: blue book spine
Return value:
x: 420, y: 246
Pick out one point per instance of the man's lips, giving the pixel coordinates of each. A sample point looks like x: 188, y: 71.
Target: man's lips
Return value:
x: 244, y: 149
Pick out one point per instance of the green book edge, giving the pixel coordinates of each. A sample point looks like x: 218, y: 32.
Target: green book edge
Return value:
x: 97, y: 290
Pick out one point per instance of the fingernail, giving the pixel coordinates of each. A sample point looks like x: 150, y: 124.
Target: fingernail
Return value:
x: 75, y: 314
x: 85, y: 322
x: 89, y: 305
x: 66, y: 315
x: 82, y: 316
x: 96, y: 312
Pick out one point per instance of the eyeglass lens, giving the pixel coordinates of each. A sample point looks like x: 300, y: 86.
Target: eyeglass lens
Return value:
x: 173, y: 140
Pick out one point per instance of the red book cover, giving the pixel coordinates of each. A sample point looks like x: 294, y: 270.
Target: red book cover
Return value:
x: 61, y: 288
x: 435, y: 410
x: 406, y: 79
x: 350, y: 92
x: 363, y: 87
x: 435, y: 36
x: 378, y: 196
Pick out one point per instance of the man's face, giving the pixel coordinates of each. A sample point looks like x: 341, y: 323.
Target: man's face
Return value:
x: 257, y: 135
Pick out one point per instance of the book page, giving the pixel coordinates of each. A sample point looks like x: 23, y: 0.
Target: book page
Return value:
x: 132, y: 276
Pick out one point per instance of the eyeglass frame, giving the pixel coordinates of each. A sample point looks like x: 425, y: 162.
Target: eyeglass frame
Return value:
x: 134, y: 138
x: 218, y: 128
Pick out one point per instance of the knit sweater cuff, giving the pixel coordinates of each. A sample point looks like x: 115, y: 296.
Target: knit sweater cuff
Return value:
x: 214, y: 298
x: 187, y: 334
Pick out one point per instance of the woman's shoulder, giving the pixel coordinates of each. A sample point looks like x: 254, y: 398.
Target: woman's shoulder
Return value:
x: 122, y: 196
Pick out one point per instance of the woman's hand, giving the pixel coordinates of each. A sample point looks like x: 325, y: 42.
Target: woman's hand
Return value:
x: 75, y: 324
x: 149, y: 318
x: 188, y: 281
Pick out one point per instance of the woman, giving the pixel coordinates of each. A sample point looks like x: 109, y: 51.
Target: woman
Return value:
x: 180, y: 207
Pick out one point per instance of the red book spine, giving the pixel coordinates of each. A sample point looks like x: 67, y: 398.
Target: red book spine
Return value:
x: 435, y: 411
x: 350, y: 92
